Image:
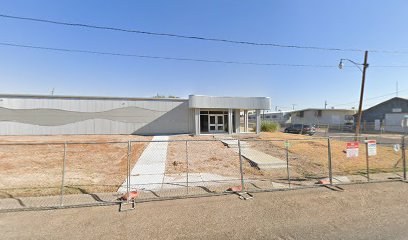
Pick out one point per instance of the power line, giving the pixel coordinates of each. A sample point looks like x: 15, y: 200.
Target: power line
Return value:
x: 172, y: 58
x: 189, y: 36
x: 161, y: 57
x: 368, y: 99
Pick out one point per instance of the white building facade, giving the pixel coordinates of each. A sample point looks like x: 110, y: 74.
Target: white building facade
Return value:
x: 323, y: 116
x: 49, y: 115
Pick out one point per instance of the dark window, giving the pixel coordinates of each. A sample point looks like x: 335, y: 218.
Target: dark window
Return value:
x: 301, y: 114
x: 226, y: 122
x: 204, y: 123
x: 217, y: 112
x: 319, y: 113
x: 203, y: 112
x: 233, y: 122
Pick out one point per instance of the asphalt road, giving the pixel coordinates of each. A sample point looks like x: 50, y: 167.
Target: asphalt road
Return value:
x: 363, y: 211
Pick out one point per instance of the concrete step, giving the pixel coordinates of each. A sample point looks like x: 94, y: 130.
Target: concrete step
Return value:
x: 257, y: 158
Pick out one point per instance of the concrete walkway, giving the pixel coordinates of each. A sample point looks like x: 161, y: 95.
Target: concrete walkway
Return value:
x: 148, y: 172
x: 262, y: 160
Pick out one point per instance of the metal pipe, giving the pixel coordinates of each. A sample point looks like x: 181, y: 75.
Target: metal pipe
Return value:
x: 330, y: 161
x: 187, y: 165
x: 287, y: 160
x: 404, y: 163
x: 367, y: 161
x: 63, y: 175
x: 129, y: 155
x: 240, y: 166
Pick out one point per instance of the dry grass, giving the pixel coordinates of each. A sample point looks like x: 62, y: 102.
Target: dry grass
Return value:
x: 34, y: 170
x: 308, y: 156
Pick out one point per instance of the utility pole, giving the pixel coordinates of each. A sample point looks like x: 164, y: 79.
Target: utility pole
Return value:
x: 397, y: 90
x: 325, y: 104
x: 360, y: 107
x: 293, y: 106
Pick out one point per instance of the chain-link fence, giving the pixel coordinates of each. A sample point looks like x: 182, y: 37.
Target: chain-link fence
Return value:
x: 322, y: 129
x: 66, y: 174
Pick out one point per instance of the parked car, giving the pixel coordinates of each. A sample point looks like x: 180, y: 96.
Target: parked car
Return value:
x: 301, y: 129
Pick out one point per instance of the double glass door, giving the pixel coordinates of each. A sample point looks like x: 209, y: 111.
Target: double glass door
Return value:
x: 216, y: 123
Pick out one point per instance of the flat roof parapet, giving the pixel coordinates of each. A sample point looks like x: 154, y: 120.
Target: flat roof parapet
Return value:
x: 258, y: 103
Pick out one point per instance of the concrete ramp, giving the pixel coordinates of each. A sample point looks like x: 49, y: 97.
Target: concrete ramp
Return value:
x: 257, y: 158
x: 262, y: 160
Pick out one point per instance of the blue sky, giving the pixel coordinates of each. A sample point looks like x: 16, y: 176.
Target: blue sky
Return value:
x: 341, y: 24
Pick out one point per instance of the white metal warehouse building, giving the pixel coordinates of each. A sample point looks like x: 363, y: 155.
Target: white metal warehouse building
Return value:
x: 49, y: 115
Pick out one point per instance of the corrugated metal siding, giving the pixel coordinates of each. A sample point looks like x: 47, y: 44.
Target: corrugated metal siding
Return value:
x: 396, y: 122
x: 93, y: 116
x: 379, y: 111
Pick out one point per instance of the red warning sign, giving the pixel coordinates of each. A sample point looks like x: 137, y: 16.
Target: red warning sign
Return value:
x: 352, y: 149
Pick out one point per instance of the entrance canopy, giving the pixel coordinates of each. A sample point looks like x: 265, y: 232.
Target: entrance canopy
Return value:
x: 222, y: 114
x: 247, y: 103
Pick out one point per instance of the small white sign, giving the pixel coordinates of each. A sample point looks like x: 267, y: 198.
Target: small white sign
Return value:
x: 396, y: 147
x: 371, y: 147
x: 352, y: 149
x: 396, y: 110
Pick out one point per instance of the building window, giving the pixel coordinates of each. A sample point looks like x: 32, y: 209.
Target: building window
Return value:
x: 349, y: 117
x: 300, y: 114
x: 318, y: 113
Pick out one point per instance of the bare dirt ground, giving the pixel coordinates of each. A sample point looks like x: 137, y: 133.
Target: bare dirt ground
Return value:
x: 36, y: 169
x: 204, y: 156
x: 361, y: 211
x: 207, y: 155
x: 308, y: 156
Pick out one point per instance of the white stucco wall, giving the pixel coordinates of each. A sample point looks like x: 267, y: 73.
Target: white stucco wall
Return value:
x: 327, y: 117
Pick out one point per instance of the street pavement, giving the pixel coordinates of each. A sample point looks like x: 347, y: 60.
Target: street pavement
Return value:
x: 361, y: 211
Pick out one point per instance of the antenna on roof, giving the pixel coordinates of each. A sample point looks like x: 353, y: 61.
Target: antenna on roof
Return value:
x: 396, y: 93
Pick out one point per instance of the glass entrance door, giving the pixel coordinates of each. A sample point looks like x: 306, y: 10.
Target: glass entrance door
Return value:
x: 216, y: 123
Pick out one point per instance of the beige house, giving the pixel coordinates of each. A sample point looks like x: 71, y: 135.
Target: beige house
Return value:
x: 323, y: 116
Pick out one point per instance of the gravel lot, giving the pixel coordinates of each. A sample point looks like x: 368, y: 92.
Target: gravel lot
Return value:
x: 361, y: 211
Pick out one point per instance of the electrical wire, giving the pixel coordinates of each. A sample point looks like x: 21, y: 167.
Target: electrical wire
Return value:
x: 372, y: 98
x: 189, y: 36
x: 161, y: 57
x: 173, y: 58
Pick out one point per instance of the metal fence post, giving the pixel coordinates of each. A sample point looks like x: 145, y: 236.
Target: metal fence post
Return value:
x: 327, y: 129
x: 330, y: 161
x: 404, y: 163
x: 187, y: 165
x: 129, y: 155
x: 63, y: 175
x: 241, y: 169
x: 367, y: 161
x: 287, y: 160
